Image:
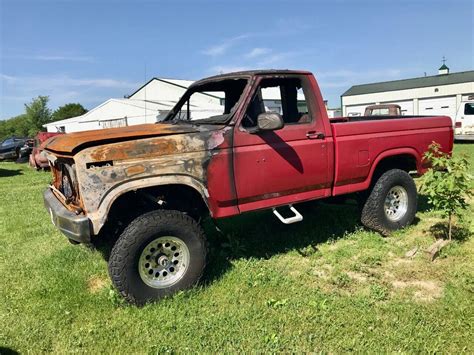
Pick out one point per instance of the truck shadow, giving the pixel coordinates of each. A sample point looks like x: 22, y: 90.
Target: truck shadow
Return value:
x: 9, y: 172
x: 261, y: 235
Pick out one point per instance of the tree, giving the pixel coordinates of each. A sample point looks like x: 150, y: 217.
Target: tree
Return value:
x: 37, y: 113
x: 447, y: 183
x: 15, y: 126
x: 68, y: 111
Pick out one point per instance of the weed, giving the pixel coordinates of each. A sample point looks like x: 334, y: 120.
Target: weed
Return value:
x: 263, y: 296
x: 379, y: 292
x: 341, y: 280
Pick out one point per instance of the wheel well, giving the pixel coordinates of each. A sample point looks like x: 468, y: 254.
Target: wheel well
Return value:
x: 132, y: 204
x: 172, y: 197
x: 406, y: 162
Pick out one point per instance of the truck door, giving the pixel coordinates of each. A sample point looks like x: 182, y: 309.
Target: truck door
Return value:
x: 282, y: 166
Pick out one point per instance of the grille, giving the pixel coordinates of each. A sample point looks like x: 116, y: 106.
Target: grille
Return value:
x: 67, y: 181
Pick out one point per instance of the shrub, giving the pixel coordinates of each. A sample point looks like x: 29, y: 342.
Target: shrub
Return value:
x: 446, y: 183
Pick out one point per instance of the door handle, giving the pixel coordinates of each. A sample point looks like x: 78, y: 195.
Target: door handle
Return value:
x: 315, y: 135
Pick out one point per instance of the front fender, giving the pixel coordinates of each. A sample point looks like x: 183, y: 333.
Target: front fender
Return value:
x: 99, y: 217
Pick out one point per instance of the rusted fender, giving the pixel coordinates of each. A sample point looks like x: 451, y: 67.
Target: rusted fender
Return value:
x: 106, y: 171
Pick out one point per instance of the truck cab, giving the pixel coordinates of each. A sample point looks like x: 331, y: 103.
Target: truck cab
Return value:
x: 383, y: 110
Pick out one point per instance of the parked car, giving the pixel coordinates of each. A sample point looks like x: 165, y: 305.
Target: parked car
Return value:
x: 464, y: 121
x: 159, y: 180
x: 383, y: 110
x: 10, y: 148
x: 37, y: 158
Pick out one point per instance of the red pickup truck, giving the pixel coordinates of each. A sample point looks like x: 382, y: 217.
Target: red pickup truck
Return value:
x: 224, y: 150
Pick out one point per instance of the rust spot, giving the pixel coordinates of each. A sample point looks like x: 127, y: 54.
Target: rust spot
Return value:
x: 134, y: 170
x: 67, y: 143
x: 135, y: 149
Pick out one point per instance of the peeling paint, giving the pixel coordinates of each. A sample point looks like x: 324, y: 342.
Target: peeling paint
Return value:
x: 132, y: 170
x: 183, y: 155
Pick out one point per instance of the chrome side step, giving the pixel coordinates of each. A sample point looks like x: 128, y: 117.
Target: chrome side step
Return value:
x: 296, y: 218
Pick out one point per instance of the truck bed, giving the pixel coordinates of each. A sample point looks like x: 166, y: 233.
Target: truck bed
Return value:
x: 362, y: 142
x: 371, y: 118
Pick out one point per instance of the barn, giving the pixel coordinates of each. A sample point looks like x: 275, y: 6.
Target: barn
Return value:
x: 440, y: 94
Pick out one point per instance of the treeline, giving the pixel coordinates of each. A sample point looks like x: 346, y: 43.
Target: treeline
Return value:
x: 37, y: 113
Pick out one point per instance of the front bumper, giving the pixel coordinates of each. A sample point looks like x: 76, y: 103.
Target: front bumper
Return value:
x: 25, y: 152
x: 8, y: 155
x: 74, y: 227
x: 464, y: 137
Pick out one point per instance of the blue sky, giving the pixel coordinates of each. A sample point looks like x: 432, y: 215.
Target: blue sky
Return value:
x: 89, y: 51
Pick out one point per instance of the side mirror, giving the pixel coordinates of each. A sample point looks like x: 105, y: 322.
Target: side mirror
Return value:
x: 269, y: 121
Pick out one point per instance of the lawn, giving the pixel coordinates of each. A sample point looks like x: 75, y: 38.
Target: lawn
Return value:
x: 325, y: 284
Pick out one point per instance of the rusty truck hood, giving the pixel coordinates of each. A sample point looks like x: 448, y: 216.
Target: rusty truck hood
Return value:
x: 72, y: 142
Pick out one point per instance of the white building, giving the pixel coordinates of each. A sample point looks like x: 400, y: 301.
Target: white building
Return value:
x: 148, y: 104
x: 430, y: 95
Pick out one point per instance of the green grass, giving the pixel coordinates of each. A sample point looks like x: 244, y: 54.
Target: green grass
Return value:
x: 325, y: 284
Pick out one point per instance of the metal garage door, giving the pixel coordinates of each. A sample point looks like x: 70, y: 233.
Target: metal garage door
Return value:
x: 440, y: 106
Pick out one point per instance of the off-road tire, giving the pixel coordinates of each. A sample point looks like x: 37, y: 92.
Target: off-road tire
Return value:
x: 124, y: 257
x: 373, y: 211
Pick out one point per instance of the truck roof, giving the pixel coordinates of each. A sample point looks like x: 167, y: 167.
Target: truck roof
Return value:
x: 248, y: 73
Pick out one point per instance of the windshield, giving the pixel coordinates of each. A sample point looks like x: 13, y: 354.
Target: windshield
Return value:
x: 209, y: 103
x: 7, y: 142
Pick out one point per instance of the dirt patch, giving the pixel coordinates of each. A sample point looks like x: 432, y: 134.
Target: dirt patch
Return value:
x: 357, y: 276
x: 401, y: 262
x: 424, y: 290
x: 96, y: 283
x: 320, y: 274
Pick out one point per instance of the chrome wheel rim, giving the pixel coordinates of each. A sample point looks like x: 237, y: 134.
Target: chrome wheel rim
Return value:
x: 163, y: 262
x: 396, y: 203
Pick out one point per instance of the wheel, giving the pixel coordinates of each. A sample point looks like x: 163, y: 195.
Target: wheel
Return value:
x: 392, y: 203
x: 158, y: 254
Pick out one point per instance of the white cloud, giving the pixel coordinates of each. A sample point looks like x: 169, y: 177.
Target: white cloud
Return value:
x: 257, y: 52
x: 52, y: 57
x: 32, y: 83
x: 281, y: 28
x: 7, y: 77
x: 62, y: 58
x: 345, y: 78
x: 222, y: 47
x: 258, y: 58
x: 61, y: 89
x: 217, y: 49
x: 275, y: 59
x: 360, y: 74
x: 222, y: 69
